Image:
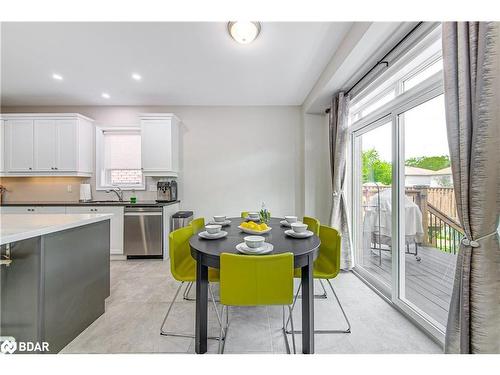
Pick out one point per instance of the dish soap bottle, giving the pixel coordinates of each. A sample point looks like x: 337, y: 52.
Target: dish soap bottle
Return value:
x: 133, y: 198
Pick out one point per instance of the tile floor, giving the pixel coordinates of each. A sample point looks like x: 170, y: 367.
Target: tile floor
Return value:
x: 141, y: 291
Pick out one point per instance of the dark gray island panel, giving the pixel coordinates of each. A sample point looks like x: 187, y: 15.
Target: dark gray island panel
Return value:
x: 56, y: 285
x: 20, y: 291
x: 76, y: 281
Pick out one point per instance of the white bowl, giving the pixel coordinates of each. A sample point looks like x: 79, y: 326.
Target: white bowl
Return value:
x: 213, y: 229
x: 219, y: 219
x: 299, y: 227
x: 254, y: 241
x: 291, y: 219
x: 253, y: 215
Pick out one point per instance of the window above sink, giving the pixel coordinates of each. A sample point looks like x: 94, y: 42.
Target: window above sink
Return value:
x: 118, y: 158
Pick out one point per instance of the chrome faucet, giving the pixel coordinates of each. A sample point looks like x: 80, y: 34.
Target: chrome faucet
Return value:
x: 118, y: 192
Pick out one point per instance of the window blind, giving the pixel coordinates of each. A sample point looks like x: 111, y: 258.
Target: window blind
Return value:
x: 122, y: 150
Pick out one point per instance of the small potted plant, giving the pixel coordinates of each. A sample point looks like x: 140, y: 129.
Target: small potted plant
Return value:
x: 265, y: 215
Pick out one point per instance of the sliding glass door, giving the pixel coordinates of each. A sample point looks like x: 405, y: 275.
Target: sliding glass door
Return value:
x: 429, y: 230
x: 406, y: 232
x: 373, y: 198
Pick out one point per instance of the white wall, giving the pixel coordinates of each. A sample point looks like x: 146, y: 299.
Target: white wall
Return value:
x: 317, y: 180
x: 233, y: 158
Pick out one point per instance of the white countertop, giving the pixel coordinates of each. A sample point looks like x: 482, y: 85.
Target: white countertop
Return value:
x: 17, y: 227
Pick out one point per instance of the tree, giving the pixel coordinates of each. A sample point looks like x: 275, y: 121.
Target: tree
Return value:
x: 434, y: 163
x: 374, y: 169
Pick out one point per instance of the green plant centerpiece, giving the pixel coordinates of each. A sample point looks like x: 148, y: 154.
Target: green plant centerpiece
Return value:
x: 265, y: 215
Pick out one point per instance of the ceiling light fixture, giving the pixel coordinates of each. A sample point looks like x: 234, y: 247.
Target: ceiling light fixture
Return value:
x: 243, y: 32
x: 57, y: 77
x: 136, y: 77
x: 105, y: 95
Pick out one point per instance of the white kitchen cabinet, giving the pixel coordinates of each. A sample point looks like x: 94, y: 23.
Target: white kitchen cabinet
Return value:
x: 160, y: 144
x: 67, y: 138
x: 33, y: 210
x: 48, y: 145
x: 19, y: 143
x: 116, y: 229
x: 45, y: 143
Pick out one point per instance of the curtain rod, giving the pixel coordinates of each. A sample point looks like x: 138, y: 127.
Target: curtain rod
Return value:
x: 381, y: 61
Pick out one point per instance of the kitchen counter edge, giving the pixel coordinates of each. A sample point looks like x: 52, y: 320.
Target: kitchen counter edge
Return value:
x: 76, y: 204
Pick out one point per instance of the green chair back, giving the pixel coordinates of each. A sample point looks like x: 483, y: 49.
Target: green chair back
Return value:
x: 312, y: 224
x: 181, y: 261
x: 252, y: 280
x: 198, y: 224
x: 328, y: 262
x: 182, y: 264
x: 244, y: 214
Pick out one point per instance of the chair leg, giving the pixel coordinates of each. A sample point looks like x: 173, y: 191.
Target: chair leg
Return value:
x: 215, y: 306
x: 187, y: 291
x: 164, y: 332
x: 320, y: 296
x: 223, y: 332
x: 290, y: 319
x: 326, y: 331
x: 348, y: 330
x: 293, y: 330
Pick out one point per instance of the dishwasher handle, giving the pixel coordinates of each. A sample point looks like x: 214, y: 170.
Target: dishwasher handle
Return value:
x: 139, y: 213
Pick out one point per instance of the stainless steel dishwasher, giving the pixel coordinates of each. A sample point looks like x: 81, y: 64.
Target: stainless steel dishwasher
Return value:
x: 143, y: 232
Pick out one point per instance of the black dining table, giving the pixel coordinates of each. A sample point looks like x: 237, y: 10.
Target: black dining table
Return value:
x: 207, y: 254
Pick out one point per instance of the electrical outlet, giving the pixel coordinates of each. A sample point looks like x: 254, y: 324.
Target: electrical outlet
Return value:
x: 69, y: 188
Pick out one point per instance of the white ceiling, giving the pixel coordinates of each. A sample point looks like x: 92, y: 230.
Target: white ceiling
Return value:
x: 195, y: 63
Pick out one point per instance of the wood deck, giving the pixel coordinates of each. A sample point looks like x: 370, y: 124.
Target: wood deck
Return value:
x: 428, y: 282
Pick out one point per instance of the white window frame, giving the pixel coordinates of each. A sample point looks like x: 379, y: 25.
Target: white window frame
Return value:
x: 99, y: 155
x: 426, y: 90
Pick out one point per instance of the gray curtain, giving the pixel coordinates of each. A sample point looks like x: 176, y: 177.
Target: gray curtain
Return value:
x: 339, y: 137
x: 472, y: 94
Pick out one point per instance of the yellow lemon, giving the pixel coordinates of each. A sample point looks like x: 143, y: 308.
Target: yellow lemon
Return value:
x: 263, y: 226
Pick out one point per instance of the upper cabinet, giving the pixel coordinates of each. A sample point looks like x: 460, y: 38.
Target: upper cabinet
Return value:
x: 160, y: 144
x: 47, y: 144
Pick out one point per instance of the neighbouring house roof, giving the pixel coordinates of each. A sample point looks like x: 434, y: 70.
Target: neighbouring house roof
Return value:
x: 443, y: 172
x: 414, y: 171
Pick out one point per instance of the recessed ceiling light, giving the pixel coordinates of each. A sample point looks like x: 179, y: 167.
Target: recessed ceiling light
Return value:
x: 57, y: 77
x: 243, y: 32
x: 136, y: 77
x: 105, y: 95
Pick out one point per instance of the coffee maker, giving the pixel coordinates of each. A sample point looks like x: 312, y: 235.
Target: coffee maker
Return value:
x: 166, y: 191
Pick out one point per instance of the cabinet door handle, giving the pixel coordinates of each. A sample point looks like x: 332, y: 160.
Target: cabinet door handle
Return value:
x: 5, y: 259
x: 5, y: 262
x: 30, y: 168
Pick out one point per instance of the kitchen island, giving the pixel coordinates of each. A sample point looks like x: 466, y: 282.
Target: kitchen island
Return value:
x: 54, y: 276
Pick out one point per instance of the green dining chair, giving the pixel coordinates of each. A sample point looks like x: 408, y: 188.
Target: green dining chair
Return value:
x: 256, y: 280
x: 326, y: 267
x: 313, y: 225
x: 197, y: 224
x: 183, y: 268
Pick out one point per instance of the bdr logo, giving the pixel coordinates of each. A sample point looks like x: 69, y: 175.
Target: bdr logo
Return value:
x: 9, y: 345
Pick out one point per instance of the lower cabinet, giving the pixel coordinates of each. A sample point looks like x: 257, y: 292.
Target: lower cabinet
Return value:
x: 33, y: 210
x: 116, y: 230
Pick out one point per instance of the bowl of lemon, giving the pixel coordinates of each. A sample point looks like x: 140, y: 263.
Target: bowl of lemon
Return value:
x: 251, y: 227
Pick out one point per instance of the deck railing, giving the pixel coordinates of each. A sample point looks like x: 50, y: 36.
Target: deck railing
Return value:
x: 443, y: 232
x: 439, y: 215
